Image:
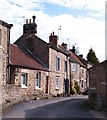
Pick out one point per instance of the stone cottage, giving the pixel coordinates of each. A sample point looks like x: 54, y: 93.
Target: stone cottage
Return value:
x: 98, y: 85
x: 28, y: 74
x: 49, y: 53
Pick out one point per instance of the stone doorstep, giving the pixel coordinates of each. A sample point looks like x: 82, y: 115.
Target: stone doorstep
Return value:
x: 98, y: 114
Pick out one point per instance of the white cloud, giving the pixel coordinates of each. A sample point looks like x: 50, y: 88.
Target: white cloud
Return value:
x: 85, y: 31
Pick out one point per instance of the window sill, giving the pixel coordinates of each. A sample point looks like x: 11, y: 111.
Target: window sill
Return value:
x: 37, y: 87
x: 23, y: 86
x: 57, y: 88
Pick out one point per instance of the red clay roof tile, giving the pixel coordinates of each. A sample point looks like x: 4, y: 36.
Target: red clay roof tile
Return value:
x: 20, y: 59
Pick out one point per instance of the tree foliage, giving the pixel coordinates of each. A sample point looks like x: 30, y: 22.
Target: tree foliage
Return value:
x: 91, y: 57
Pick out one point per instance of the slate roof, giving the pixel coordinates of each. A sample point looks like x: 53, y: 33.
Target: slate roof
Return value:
x: 20, y: 59
x: 76, y: 58
x: 57, y: 48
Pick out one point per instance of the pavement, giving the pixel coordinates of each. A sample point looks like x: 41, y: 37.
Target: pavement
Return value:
x: 99, y: 114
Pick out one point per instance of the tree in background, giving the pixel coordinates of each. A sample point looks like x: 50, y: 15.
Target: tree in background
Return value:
x: 91, y: 57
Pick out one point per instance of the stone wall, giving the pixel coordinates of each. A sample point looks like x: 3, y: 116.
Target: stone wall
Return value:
x: 98, y: 83
x: 30, y: 91
x: 3, y: 62
x: 12, y: 95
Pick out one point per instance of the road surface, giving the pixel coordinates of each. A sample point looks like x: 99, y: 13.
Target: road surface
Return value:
x: 67, y: 107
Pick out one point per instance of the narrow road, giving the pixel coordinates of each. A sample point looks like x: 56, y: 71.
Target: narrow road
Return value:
x: 70, y: 107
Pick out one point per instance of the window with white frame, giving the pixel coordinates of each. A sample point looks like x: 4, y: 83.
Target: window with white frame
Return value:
x: 24, y: 79
x: 82, y: 70
x: 0, y: 36
x: 74, y: 66
x: 65, y: 66
x: 38, y: 79
x: 57, y: 82
x: 57, y: 63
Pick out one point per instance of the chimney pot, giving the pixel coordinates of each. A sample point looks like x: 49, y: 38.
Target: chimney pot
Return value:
x: 26, y: 21
x: 29, y: 20
x: 34, y: 17
x: 53, y: 33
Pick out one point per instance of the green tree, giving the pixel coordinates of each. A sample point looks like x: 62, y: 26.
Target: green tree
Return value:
x: 91, y: 57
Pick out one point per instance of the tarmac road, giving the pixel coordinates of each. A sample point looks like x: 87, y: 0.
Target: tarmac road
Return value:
x: 67, y: 107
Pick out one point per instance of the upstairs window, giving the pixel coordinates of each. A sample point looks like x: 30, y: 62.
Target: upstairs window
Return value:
x: 24, y: 80
x: 38, y: 79
x: 65, y: 66
x: 82, y: 70
x: 57, y: 63
x: 74, y: 67
x: 57, y: 82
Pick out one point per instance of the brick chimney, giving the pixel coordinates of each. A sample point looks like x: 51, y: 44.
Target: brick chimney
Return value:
x: 53, y: 39
x: 31, y: 27
x: 73, y: 49
x: 64, y: 45
x: 81, y: 55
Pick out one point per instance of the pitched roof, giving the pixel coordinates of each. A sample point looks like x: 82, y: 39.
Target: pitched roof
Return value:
x: 20, y: 59
x: 76, y: 58
x: 67, y: 52
x: 6, y: 24
x: 57, y: 48
x: 85, y: 62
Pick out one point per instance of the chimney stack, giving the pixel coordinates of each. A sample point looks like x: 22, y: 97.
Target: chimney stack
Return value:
x: 29, y: 27
x: 64, y: 45
x: 53, y: 39
x: 73, y: 49
x: 81, y: 55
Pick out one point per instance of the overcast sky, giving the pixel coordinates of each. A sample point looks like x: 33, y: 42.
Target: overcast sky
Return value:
x: 82, y: 21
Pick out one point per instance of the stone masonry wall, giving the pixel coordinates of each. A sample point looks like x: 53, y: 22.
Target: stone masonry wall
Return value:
x: 98, y: 82
x: 54, y: 73
x: 3, y: 62
x: 31, y: 91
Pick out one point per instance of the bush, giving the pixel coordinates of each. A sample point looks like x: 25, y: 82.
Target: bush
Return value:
x: 73, y: 91
x: 77, y: 87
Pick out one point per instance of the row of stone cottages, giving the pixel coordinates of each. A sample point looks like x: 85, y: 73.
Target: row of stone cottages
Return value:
x: 31, y: 67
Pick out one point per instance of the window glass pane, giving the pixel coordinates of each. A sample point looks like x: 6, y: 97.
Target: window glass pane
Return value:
x: 57, y: 63
x: 57, y: 83
x: 24, y: 79
x: 38, y: 79
x: 65, y: 66
x: 74, y: 66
